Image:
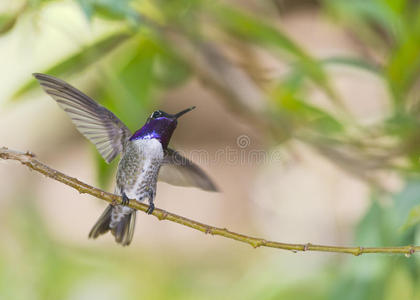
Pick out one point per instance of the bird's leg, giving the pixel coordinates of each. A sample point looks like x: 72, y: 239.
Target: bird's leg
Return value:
x: 151, y: 196
x: 125, y: 200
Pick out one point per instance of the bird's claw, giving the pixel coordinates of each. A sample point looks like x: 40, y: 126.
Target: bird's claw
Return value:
x: 150, y: 209
x: 125, y: 200
x: 151, y: 196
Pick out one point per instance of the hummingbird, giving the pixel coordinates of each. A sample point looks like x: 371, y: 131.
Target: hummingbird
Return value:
x: 145, y: 155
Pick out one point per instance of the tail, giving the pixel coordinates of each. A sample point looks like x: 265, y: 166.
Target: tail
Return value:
x: 123, y: 229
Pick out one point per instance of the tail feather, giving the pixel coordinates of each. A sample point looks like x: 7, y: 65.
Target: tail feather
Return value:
x: 123, y: 230
x: 102, y: 225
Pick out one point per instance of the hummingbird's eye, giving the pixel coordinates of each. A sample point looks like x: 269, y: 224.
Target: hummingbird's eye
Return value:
x: 156, y: 114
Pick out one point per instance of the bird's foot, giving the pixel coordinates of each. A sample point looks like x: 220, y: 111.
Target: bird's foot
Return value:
x: 150, y: 209
x: 125, y: 200
x: 151, y: 197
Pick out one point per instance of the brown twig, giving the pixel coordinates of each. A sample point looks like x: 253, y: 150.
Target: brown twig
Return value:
x: 28, y: 159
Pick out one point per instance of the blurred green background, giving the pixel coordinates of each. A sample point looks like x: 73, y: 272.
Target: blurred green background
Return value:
x: 325, y: 93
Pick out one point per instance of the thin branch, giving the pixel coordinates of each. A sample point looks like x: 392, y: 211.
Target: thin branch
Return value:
x: 28, y: 159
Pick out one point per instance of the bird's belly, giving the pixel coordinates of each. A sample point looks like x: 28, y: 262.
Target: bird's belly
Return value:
x: 138, y: 169
x: 144, y: 183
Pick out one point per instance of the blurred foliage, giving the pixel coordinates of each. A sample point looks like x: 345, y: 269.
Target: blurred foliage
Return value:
x: 33, y: 265
x: 161, y: 44
x: 383, y: 277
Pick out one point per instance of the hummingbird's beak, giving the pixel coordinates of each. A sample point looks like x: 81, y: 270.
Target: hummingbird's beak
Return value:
x: 182, y: 112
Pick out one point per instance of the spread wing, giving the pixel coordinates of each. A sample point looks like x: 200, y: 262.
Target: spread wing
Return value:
x: 178, y: 170
x: 94, y: 121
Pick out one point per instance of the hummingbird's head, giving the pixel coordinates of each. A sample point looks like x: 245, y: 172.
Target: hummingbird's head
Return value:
x: 160, y: 125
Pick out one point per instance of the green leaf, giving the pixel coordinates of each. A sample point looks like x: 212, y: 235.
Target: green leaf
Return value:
x: 38, y: 3
x: 406, y: 200
x: 7, y: 22
x: 354, y: 62
x: 369, y: 231
x: 381, y: 226
x: 413, y: 218
x: 170, y: 70
x: 398, y: 6
x: 312, y: 117
x: 109, y: 9
x: 79, y: 61
x: 370, y: 12
x: 301, y: 113
x: 253, y: 29
x: 403, y: 68
x: 401, y: 125
x: 407, y: 204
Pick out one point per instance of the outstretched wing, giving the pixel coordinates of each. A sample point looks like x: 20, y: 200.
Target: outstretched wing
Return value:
x: 94, y: 121
x: 178, y: 170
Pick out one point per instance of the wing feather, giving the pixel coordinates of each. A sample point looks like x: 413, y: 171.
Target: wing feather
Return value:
x: 178, y: 170
x: 94, y: 121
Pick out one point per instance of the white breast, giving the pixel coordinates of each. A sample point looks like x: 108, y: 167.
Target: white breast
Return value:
x: 153, y: 153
